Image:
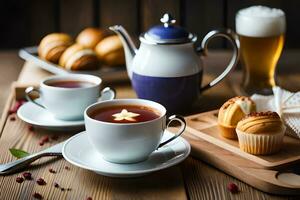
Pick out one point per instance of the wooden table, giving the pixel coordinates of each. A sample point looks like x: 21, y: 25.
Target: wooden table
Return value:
x: 192, y: 179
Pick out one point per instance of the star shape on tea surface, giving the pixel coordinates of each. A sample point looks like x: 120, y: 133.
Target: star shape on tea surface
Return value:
x: 125, y: 115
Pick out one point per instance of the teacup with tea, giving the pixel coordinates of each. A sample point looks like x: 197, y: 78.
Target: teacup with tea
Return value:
x: 67, y: 96
x: 128, y: 130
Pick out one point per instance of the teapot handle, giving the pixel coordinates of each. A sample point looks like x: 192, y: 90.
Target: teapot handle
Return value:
x: 233, y: 39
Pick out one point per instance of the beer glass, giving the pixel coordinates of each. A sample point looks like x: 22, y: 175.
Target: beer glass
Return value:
x: 261, y: 32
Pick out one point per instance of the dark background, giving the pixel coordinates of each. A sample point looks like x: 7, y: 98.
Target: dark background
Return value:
x: 25, y: 22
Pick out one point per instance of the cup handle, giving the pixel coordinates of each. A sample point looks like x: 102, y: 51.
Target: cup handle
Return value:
x: 27, y: 96
x: 233, y: 39
x: 181, y: 130
x: 107, y: 94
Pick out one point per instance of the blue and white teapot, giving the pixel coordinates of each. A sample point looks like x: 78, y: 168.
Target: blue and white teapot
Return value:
x: 167, y: 67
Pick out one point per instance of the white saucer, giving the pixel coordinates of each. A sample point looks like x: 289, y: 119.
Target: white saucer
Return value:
x: 37, y: 116
x: 78, y: 151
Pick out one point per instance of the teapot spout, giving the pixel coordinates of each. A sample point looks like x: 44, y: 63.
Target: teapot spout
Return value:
x: 129, y: 47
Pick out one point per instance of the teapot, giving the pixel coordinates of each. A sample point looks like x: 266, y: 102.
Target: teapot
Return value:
x: 167, y: 67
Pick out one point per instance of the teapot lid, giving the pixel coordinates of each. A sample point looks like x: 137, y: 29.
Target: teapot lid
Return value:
x: 168, y: 33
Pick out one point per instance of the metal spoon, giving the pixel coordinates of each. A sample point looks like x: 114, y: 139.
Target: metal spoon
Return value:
x: 13, y: 166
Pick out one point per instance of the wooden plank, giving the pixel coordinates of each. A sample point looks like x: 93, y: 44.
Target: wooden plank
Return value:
x: 204, y: 16
x: 205, y: 182
x: 289, y: 7
x: 153, y: 10
x: 75, y: 15
x: 42, y: 19
x: 119, y: 12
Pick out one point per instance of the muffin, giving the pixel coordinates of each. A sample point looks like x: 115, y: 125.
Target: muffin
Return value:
x: 110, y: 51
x: 260, y: 133
x: 90, y: 37
x: 53, y: 45
x: 78, y: 57
x: 231, y: 112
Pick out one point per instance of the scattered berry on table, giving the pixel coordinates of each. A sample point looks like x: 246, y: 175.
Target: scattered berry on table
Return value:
x: 233, y: 188
x: 30, y: 128
x: 41, y: 181
x: 52, y: 171
x: 15, y: 108
x: 56, y: 185
x: 19, y: 179
x: 37, y: 195
x: 27, y: 175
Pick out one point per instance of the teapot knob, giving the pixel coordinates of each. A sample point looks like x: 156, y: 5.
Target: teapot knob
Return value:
x: 167, y: 20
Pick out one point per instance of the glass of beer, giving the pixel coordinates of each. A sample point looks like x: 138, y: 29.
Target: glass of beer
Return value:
x: 261, y: 32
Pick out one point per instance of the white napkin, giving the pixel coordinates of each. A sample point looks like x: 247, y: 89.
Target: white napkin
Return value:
x: 286, y: 104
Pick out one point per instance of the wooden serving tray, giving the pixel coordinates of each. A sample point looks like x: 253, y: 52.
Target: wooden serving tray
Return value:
x: 117, y: 73
x: 278, y: 173
x: 205, y: 126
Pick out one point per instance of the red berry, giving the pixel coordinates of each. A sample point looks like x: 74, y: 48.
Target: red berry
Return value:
x: 41, y: 143
x: 54, y: 137
x: 11, y: 112
x: 45, y: 139
x: 27, y: 175
x: 17, y: 105
x: 19, y: 179
x: 52, y: 171
x: 41, y: 181
x: 56, y: 185
x: 37, y: 195
x: 233, y: 188
x: 30, y: 128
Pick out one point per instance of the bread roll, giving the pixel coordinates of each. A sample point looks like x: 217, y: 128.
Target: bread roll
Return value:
x: 90, y: 37
x: 53, y: 45
x: 110, y: 51
x: 78, y: 57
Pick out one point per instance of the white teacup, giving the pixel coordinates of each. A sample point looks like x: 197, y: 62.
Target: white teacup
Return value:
x: 69, y: 103
x: 128, y: 142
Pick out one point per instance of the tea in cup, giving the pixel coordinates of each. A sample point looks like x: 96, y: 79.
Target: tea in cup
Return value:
x: 67, y: 96
x: 128, y: 130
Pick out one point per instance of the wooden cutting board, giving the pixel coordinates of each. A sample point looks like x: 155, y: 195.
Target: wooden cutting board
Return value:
x: 278, y: 173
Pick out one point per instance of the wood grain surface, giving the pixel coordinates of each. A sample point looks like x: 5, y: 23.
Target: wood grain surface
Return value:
x: 26, y: 22
x: 75, y: 15
x: 201, y: 181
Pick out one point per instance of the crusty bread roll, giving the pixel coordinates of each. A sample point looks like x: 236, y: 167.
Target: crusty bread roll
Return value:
x: 110, y: 51
x: 90, y: 37
x: 78, y: 57
x: 53, y: 45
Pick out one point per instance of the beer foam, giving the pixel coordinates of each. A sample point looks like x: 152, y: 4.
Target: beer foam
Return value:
x: 260, y: 21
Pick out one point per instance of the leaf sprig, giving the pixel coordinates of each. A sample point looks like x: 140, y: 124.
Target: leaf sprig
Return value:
x: 18, y: 153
